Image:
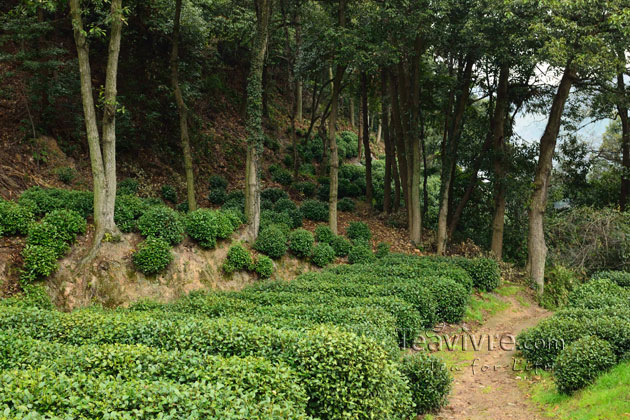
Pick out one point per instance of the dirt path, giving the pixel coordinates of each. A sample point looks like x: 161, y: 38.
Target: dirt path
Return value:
x: 490, y: 390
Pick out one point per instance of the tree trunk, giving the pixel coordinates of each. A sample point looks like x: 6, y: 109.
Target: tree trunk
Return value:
x: 536, y: 247
x: 334, y: 155
x: 622, y: 108
x: 352, y: 120
x: 298, y: 46
x: 182, y: 110
x: 397, y: 192
x: 387, y: 189
x: 400, y: 141
x: 103, y: 160
x: 499, y: 164
x: 379, y: 131
x: 254, y: 119
x: 366, y: 142
x: 361, y: 129
x: 449, y: 151
x: 425, y: 173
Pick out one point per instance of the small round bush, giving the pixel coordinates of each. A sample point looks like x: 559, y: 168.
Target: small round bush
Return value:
x: 217, y: 182
x: 382, y: 250
x: 236, y: 195
x: 622, y: 278
x: 346, y: 204
x: 429, y: 381
x: 284, y: 204
x: 296, y: 218
x: 598, y: 293
x: 282, y: 177
x: 162, y: 222
x: 69, y: 223
x: 315, y: 210
x: 169, y: 193
x: 49, y: 236
x: 307, y: 189
x: 360, y: 253
x: 217, y: 196
x: 358, y: 231
x: 66, y: 174
x: 341, y: 246
x: 273, y: 194
x: 581, y: 362
x: 264, y: 266
x: 201, y: 226
x: 301, y: 243
x: 271, y: 241
x: 270, y: 217
x: 324, y: 234
x: 225, y: 225
x: 323, y: 254
x: 451, y: 299
x: 39, y: 261
x: 14, y: 218
x: 127, y: 210
x: 238, y: 259
x: 153, y: 255
x: 183, y: 207
x: 266, y: 205
x: 234, y: 217
x: 127, y: 186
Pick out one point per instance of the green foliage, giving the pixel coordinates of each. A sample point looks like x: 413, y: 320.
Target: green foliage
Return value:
x: 382, y: 250
x: 271, y: 241
x: 270, y: 217
x: 162, y: 222
x: 301, y: 243
x: 238, y: 259
x: 127, y: 210
x: 622, y: 278
x: 599, y: 293
x: 201, y: 226
x: 350, y: 142
x: 41, y: 201
x: 218, y: 182
x: 282, y: 177
x: 358, y: 231
x: 307, y: 189
x: 559, y: 282
x: 324, y: 234
x: 69, y: 223
x: 127, y: 186
x: 451, y: 299
x: 169, y: 193
x: 66, y: 174
x: 33, y: 296
x: 323, y: 254
x: 340, y: 245
x: 217, y: 196
x: 581, y: 362
x: 284, y: 205
x: 346, y: 204
x: 14, y: 218
x: 264, y: 266
x: 315, y: 210
x: 39, y: 261
x: 49, y: 236
x: 429, y: 380
x: 360, y: 253
x: 273, y: 194
x: 153, y: 255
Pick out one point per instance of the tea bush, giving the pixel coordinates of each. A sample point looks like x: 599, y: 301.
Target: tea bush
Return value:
x: 217, y: 182
x: 69, y: 223
x: 14, y: 218
x: 315, y: 210
x: 358, y: 231
x: 341, y: 246
x: 49, y: 236
x: 238, y: 259
x: 622, y: 278
x: 346, y: 204
x: 217, y: 196
x: 39, y: 261
x: 429, y: 380
x: 360, y: 253
x: 264, y: 266
x: 581, y: 362
x: 324, y: 234
x: 169, y: 193
x: 127, y: 210
x: 301, y: 243
x: 127, y: 186
x: 271, y: 241
x: 323, y: 254
x: 153, y: 255
x: 201, y: 226
x: 162, y: 222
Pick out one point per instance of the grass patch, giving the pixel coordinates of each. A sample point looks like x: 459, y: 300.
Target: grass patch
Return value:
x: 456, y: 360
x: 508, y: 289
x: 482, y: 306
x: 607, y: 398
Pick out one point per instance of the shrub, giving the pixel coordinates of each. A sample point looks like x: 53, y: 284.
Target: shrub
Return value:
x: 358, y: 231
x: 153, y: 255
x: 360, y: 253
x: 346, y: 204
x: 39, y: 261
x: 429, y: 380
x: 127, y: 186
x: 282, y: 177
x: 296, y: 218
x: 559, y: 282
x: 217, y: 182
x: 273, y: 194
x: 162, y: 222
x: 324, y: 234
x: 323, y: 254
x: 315, y: 210
x: 341, y: 246
x: 541, y: 344
x: 127, y: 210
x: 183, y: 207
x: 301, y: 243
x: 14, y: 218
x: 80, y: 201
x: 382, y: 250
x: 69, y: 223
x: 217, y: 196
x: 271, y: 241
x: 581, y: 362
x: 270, y: 217
x: 41, y: 201
x: 451, y: 299
x: 234, y: 217
x: 622, y: 278
x: 598, y: 293
x: 264, y: 266
x: 225, y: 224
x: 485, y: 272
x: 49, y: 236
x: 284, y: 205
x: 169, y: 193
x: 307, y: 189
x: 238, y: 259
x: 66, y: 174
x: 201, y: 226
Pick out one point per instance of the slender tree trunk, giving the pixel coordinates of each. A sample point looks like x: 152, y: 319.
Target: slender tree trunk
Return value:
x: 379, y: 131
x: 352, y: 120
x: 397, y: 192
x: 499, y: 164
x: 400, y: 141
x: 299, y: 87
x: 103, y: 160
x: 449, y: 154
x: 536, y: 247
x: 366, y: 142
x: 425, y: 173
x: 387, y: 189
x: 622, y: 108
x: 361, y: 129
x: 334, y: 155
x: 182, y: 110
x: 254, y: 119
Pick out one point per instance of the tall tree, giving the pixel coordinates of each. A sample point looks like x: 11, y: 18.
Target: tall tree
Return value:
x: 182, y: 110
x: 102, y: 150
x: 622, y: 110
x: 366, y: 140
x: 254, y: 127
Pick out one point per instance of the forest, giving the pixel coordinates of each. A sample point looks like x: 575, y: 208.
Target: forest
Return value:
x: 315, y: 209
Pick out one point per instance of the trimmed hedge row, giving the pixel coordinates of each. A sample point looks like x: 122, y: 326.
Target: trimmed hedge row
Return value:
x: 341, y: 373
x: 622, y: 278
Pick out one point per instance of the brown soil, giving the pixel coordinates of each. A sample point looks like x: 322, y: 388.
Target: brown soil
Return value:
x: 495, y: 394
